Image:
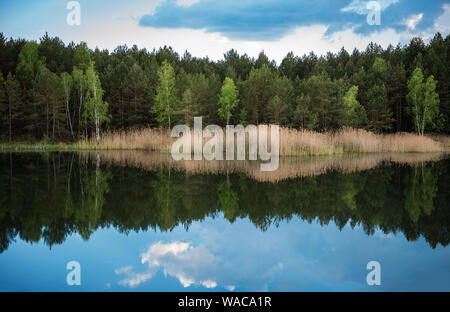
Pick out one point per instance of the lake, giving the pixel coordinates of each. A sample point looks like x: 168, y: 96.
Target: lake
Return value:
x: 141, y: 221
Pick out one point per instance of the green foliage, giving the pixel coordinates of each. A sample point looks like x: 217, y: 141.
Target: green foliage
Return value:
x: 323, y: 105
x: 423, y: 101
x: 82, y: 57
x: 420, y: 193
x: 228, y: 200
x: 14, y: 103
x: 228, y: 99
x: 3, y: 105
x: 304, y: 117
x: 48, y: 94
x: 166, y: 95
x: 259, y: 88
x: 354, y: 115
x: 96, y: 110
x: 45, y: 139
x: 378, y: 111
x: 187, y: 103
x: 30, y: 63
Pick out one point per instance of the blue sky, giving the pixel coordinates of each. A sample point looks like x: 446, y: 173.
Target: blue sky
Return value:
x: 211, y: 27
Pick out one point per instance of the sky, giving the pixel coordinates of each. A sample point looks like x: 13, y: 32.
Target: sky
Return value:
x: 211, y: 28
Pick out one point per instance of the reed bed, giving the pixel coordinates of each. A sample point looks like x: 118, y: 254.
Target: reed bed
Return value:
x: 289, y: 167
x: 362, y: 141
x: 292, y: 142
x: 443, y: 139
x: 135, y: 139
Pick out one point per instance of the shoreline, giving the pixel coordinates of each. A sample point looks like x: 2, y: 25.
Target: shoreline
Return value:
x: 292, y: 142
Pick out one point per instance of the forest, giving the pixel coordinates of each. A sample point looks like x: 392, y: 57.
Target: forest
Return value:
x: 50, y: 91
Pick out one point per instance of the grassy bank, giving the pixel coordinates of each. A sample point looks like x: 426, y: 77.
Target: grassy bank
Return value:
x: 36, y: 146
x: 292, y: 142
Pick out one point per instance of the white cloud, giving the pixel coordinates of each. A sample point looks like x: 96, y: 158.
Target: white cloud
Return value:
x: 360, y: 7
x: 186, y: 3
x: 190, y: 265
x: 230, y: 287
x: 158, y: 250
x: 135, y: 9
x: 134, y: 279
x: 442, y: 23
x: 412, y: 21
x: 201, y: 43
x: 209, y: 284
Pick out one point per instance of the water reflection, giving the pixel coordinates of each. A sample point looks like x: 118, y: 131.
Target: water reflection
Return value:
x: 51, y: 196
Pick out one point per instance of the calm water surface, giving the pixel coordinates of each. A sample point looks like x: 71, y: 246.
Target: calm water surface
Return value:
x: 139, y: 222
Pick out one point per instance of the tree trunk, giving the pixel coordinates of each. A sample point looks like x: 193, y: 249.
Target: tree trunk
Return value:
x: 69, y: 119
x: 10, y: 119
x: 97, y: 121
x: 79, y: 108
x: 46, y: 108
x: 167, y: 101
x: 97, y: 127
x: 54, y: 121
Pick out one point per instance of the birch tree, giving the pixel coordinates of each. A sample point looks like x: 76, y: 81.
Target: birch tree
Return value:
x: 96, y: 110
x: 228, y: 99
x: 66, y: 83
x: 166, y: 95
x: 423, y: 100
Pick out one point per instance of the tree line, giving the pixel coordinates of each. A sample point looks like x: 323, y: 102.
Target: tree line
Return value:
x: 52, y: 91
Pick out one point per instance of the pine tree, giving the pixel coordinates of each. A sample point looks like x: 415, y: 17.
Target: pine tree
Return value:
x: 12, y: 88
x: 304, y: 117
x: 3, y: 105
x: 379, y: 113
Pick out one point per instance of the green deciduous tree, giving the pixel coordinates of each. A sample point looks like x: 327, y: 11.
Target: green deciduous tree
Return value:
x: 66, y: 84
x: 96, y: 109
x: 423, y: 100
x: 166, y: 95
x: 228, y: 99
x: 354, y: 115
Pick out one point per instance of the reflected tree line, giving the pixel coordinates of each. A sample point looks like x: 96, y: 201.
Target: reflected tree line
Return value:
x: 50, y: 196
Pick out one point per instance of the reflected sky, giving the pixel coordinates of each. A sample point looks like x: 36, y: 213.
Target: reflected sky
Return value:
x: 215, y: 255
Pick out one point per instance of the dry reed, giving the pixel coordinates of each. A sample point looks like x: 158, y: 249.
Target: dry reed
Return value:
x: 292, y: 142
x: 289, y: 167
